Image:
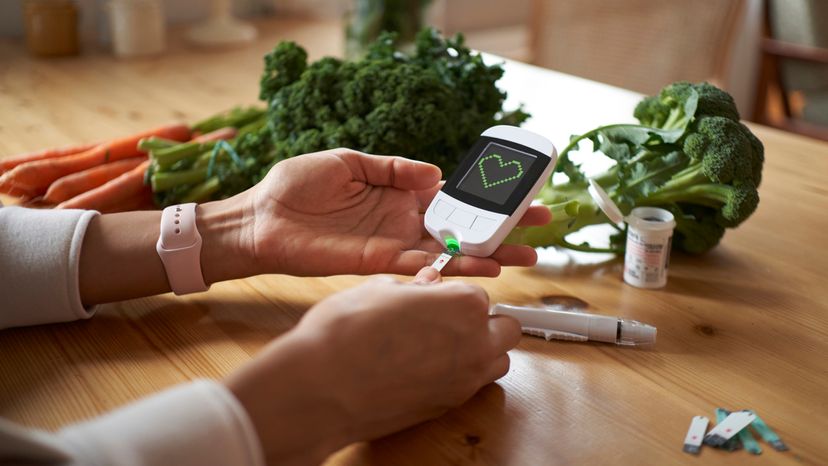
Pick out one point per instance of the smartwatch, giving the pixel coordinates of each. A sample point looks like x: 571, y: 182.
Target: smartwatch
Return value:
x: 179, y: 247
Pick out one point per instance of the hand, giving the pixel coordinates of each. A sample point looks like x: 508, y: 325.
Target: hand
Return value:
x: 344, y: 212
x: 370, y: 361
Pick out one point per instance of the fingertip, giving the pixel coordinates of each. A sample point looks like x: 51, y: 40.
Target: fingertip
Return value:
x: 427, y: 276
x: 536, y: 215
x: 417, y: 175
x: 506, y: 332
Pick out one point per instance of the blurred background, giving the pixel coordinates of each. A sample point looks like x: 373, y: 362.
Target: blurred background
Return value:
x: 771, y: 55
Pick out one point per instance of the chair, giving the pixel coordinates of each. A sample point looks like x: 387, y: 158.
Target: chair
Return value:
x: 793, y: 89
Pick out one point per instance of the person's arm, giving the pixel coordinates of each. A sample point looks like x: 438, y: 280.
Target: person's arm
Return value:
x: 118, y: 260
x: 200, y: 423
x: 333, y: 212
x: 423, y: 348
x: 39, y: 255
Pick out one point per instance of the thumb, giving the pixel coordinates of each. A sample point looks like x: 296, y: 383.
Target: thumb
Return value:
x: 397, y: 172
x: 427, y: 276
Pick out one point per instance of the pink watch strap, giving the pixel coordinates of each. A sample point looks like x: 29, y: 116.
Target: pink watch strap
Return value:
x: 179, y: 247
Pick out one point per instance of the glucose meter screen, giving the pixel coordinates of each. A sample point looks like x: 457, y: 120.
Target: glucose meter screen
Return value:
x: 496, y: 173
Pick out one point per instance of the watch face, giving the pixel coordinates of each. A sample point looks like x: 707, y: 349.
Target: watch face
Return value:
x: 496, y: 175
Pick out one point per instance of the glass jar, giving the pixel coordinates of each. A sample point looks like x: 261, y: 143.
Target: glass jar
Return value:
x: 371, y: 17
x: 51, y: 27
x: 137, y: 27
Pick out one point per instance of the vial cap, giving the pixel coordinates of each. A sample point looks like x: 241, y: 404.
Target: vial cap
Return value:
x: 604, y: 202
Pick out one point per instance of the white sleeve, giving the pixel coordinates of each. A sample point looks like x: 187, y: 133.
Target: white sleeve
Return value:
x: 200, y: 423
x: 39, y: 259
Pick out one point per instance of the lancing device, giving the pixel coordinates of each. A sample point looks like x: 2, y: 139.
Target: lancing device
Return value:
x: 578, y: 326
x: 483, y: 200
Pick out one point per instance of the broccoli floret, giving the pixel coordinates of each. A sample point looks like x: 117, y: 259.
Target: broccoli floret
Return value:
x: 690, y: 155
x: 726, y: 150
x: 283, y: 66
x: 715, y: 102
x: 673, y: 107
x: 696, y: 229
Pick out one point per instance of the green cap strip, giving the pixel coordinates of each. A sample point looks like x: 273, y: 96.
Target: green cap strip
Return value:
x: 768, y: 434
x: 452, y: 245
x: 749, y: 442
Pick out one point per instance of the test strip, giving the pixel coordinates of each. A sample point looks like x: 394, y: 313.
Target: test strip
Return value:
x: 749, y: 442
x: 695, y: 434
x: 442, y: 261
x: 768, y: 434
x: 734, y: 443
x: 728, y: 428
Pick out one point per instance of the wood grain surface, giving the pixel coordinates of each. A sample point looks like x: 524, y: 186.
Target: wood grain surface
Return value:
x: 745, y: 326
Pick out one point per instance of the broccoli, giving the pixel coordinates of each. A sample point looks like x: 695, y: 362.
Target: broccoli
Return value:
x: 430, y: 105
x: 689, y: 154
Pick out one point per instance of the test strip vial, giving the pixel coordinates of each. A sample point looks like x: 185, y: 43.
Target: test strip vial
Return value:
x: 649, y: 237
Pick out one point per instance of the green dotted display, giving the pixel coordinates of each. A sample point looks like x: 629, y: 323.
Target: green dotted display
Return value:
x: 486, y: 181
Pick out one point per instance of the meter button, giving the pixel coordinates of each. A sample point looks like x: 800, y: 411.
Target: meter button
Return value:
x: 462, y: 218
x: 443, y: 209
x: 484, y: 224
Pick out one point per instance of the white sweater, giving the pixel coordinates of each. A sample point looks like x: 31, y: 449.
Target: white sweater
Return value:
x: 199, y: 423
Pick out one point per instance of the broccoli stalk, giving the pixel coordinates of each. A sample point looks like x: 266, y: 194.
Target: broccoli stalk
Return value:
x: 689, y: 155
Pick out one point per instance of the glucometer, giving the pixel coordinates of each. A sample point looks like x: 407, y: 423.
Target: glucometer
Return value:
x: 483, y: 200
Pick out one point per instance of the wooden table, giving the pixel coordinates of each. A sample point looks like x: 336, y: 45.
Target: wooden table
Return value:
x: 745, y: 326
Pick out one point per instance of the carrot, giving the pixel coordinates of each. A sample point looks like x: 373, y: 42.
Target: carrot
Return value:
x: 142, y: 201
x: 71, y: 185
x: 7, y: 188
x: 37, y: 175
x: 225, y: 133
x: 7, y: 163
x: 112, y: 193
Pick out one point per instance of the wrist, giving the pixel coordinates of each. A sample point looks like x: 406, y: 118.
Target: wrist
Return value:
x: 292, y: 408
x: 226, y: 249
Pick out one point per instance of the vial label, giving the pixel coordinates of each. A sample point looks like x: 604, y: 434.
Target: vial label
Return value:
x: 646, y: 259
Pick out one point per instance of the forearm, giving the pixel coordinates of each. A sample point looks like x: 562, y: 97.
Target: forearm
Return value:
x: 118, y: 258
x: 193, y: 424
x: 287, y: 392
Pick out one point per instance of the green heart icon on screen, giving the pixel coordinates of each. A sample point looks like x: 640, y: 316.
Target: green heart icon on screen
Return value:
x: 504, y: 172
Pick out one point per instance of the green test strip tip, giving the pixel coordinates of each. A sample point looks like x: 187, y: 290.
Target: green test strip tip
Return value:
x: 749, y: 442
x: 452, y: 245
x: 768, y: 434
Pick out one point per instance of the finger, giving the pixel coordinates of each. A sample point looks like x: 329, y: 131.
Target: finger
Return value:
x: 498, y: 369
x: 536, y: 215
x: 397, y: 172
x: 425, y: 196
x: 427, y: 276
x: 515, y: 255
x: 409, y: 262
x: 504, y: 333
x: 429, y: 244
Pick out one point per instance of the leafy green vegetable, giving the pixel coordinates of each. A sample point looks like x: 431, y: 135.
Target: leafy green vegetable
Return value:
x: 690, y: 155
x: 430, y: 105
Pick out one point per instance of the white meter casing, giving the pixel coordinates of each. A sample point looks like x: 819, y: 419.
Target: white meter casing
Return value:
x: 483, y: 200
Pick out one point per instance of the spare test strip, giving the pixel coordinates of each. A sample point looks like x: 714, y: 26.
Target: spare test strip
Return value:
x: 695, y: 434
x: 734, y: 443
x: 749, y: 442
x: 768, y: 434
x: 731, y: 426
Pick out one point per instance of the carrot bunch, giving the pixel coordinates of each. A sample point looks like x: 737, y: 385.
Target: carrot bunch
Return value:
x: 60, y: 176
x: 107, y: 176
